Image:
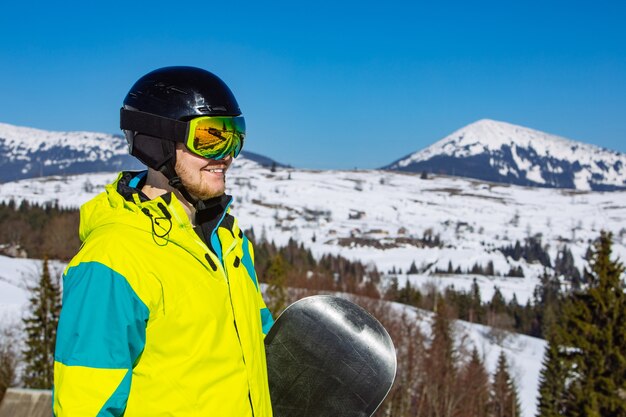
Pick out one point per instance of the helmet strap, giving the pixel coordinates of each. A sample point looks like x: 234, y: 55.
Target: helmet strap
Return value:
x: 174, y: 181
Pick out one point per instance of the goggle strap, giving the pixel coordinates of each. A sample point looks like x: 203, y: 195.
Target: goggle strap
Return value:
x: 153, y: 125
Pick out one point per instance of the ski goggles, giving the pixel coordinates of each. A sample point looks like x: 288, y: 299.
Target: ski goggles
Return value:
x: 216, y: 137
x: 212, y: 137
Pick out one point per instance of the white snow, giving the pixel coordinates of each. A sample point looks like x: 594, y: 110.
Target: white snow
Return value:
x: 25, y: 140
x: 524, y: 353
x: 490, y: 136
x: 581, y: 180
x: 16, y: 276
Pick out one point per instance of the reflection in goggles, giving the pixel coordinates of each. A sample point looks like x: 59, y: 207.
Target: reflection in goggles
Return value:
x: 216, y: 137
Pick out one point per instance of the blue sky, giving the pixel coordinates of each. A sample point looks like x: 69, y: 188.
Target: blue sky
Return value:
x: 330, y: 84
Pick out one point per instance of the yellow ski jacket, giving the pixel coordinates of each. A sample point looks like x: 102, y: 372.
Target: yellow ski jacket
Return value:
x: 154, y: 323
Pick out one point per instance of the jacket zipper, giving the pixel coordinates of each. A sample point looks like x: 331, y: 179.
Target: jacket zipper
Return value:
x: 204, y: 247
x: 232, y: 307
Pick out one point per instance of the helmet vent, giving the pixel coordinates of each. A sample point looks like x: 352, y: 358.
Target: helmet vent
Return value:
x: 209, y: 109
x: 169, y: 88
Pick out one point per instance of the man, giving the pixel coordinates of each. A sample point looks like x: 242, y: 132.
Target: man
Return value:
x: 162, y: 312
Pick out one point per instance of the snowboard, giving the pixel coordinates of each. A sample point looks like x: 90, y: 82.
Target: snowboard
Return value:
x: 328, y: 357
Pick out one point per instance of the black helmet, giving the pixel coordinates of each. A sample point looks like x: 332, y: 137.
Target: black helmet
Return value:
x: 179, y: 93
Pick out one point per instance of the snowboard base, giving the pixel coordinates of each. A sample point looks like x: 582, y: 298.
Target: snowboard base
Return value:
x: 328, y: 357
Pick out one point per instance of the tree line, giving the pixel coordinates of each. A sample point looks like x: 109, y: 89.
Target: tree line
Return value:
x: 439, y: 373
x: 530, y: 318
x: 39, y: 231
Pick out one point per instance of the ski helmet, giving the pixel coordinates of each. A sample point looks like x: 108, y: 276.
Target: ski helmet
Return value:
x: 179, y: 93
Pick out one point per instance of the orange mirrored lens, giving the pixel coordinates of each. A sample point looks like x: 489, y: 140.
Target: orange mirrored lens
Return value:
x: 217, y: 137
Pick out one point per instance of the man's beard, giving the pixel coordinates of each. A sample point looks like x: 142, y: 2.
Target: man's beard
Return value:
x: 202, y: 190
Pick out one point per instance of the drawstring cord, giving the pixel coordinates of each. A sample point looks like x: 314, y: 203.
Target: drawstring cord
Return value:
x: 155, y: 221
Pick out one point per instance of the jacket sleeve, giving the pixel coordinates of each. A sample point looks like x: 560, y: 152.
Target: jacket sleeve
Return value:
x: 101, y: 334
x: 248, y: 260
x: 267, y: 321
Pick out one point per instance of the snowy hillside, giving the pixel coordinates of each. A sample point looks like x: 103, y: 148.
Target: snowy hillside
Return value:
x: 439, y: 228
x: 382, y: 218
x: 16, y: 276
x: 502, y: 152
x: 27, y: 152
x: 524, y: 353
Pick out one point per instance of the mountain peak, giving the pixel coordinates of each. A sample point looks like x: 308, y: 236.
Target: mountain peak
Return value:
x: 503, y: 152
x: 27, y: 152
x: 492, y: 135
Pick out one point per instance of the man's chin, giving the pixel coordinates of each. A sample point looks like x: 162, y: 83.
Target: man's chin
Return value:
x: 210, y: 196
x: 205, y: 193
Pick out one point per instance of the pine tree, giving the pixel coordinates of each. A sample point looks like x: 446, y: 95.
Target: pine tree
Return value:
x: 277, y: 284
x: 476, y: 309
x: 552, y: 381
x: 393, y: 290
x: 504, y: 399
x: 475, y: 382
x: 548, y: 300
x: 593, y: 337
x: 439, y: 389
x: 409, y: 295
x: 497, y: 307
x: 41, y: 327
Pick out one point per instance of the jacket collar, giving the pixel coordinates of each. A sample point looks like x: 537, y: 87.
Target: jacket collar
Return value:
x: 213, y: 214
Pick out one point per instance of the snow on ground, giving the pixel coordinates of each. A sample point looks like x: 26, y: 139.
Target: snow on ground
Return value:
x: 67, y: 191
x: 524, y: 353
x: 377, y: 217
x: 16, y: 276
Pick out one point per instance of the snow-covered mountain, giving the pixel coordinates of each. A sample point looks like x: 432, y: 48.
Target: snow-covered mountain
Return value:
x: 501, y: 152
x: 27, y: 153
